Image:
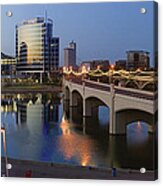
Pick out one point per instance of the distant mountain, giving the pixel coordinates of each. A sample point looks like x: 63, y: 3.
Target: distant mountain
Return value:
x: 4, y: 56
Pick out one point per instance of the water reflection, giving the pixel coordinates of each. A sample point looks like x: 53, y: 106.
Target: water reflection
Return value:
x: 41, y: 127
x: 140, y: 137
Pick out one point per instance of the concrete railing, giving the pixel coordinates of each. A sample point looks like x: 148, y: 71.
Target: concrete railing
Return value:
x: 118, y: 90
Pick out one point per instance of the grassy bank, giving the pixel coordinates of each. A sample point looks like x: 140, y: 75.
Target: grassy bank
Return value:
x: 31, y: 88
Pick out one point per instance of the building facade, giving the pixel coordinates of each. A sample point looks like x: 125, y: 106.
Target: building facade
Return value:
x: 92, y: 65
x: 120, y: 64
x: 137, y: 59
x: 37, y: 51
x: 8, y: 65
x: 54, y: 54
x: 70, y: 55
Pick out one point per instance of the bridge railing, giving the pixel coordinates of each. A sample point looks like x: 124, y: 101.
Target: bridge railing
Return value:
x: 139, y: 94
x: 96, y: 85
x: 76, y: 80
x: 118, y: 90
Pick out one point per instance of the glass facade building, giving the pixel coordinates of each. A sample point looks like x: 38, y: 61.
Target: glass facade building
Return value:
x: 36, y: 48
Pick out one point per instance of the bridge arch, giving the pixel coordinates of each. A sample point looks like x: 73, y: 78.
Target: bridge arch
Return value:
x: 117, y: 74
x: 77, y: 98
x: 149, y: 86
x: 128, y: 116
x: 132, y: 84
x: 116, y: 81
x: 92, y: 104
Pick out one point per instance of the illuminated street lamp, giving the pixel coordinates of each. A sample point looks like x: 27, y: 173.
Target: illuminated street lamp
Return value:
x: 112, y: 67
x: 71, y: 69
x: 138, y: 70
x: 3, y: 132
x: 98, y: 67
x: 88, y: 68
x: 84, y: 70
x: 64, y: 69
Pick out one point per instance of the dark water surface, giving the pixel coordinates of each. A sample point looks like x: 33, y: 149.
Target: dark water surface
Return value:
x: 50, y: 131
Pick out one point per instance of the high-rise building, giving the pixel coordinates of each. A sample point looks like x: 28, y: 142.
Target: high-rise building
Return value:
x: 54, y: 54
x: 37, y: 51
x: 70, y: 55
x: 137, y: 59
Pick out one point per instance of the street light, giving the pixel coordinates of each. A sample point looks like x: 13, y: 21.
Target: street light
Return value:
x: 64, y: 70
x: 3, y: 132
x: 112, y: 67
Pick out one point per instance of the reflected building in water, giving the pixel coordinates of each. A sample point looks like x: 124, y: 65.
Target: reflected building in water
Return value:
x: 29, y: 112
x: 51, y: 112
x: 32, y: 112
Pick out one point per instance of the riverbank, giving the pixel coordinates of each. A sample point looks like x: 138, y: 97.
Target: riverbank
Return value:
x: 30, y: 89
x: 22, y: 168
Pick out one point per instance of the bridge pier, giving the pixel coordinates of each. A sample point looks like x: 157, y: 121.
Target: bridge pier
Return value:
x: 71, y: 114
x: 87, y: 110
x: 66, y: 95
x: 84, y: 125
x: 71, y: 100
x: 112, y: 127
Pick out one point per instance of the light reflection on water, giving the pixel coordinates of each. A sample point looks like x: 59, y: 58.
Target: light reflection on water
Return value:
x: 45, y: 133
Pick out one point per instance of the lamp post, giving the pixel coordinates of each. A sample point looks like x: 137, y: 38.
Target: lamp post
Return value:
x: 84, y: 72
x: 3, y: 132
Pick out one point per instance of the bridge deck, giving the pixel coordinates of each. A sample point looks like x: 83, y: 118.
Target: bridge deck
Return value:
x: 118, y: 90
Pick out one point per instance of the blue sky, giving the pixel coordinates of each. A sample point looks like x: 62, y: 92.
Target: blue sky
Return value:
x: 101, y: 30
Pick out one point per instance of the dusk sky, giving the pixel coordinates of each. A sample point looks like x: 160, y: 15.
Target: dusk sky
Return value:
x: 101, y: 30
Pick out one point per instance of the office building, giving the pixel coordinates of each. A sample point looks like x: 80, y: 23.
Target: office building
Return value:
x: 37, y: 51
x: 54, y: 54
x: 120, y: 64
x: 137, y: 59
x: 70, y: 55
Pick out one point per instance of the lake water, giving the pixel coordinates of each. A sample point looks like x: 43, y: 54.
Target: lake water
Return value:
x: 51, y: 131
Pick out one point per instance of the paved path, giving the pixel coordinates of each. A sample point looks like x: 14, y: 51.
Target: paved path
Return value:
x: 23, y: 168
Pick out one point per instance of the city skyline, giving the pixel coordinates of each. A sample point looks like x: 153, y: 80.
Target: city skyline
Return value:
x: 111, y: 40
x: 79, y: 96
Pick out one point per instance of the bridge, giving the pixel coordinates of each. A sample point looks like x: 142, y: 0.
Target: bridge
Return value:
x: 126, y: 105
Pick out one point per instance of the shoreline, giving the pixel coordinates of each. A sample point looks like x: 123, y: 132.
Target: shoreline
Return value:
x: 41, y: 169
x: 32, y: 89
